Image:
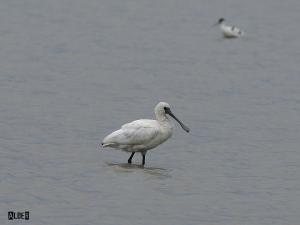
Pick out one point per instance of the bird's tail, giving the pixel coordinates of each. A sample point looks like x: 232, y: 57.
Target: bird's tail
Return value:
x: 104, y: 145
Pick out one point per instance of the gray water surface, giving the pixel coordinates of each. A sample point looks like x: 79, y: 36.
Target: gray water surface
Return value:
x: 73, y: 71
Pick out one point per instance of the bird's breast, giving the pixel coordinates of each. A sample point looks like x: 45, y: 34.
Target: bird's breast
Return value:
x: 166, y: 130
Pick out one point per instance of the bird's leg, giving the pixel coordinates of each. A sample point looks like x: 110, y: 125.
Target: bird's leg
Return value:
x: 144, y: 157
x: 130, y: 158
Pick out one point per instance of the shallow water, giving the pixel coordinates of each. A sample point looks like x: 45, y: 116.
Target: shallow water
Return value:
x: 73, y: 71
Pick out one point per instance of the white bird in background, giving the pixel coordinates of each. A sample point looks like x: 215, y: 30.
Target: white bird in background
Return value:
x: 144, y: 134
x: 229, y: 31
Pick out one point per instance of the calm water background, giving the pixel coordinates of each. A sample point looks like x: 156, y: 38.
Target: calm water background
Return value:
x: 73, y: 71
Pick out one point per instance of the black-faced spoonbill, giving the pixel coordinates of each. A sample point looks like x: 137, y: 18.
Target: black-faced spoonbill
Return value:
x: 229, y: 31
x: 143, y: 135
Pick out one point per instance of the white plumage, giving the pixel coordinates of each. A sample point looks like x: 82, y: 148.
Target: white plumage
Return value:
x: 144, y: 134
x: 229, y: 31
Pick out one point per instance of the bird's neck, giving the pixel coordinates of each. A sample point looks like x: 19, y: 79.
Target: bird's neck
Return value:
x: 222, y: 25
x: 165, y: 123
x: 162, y: 118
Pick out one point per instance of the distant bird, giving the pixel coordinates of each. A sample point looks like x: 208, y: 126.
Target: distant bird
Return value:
x: 144, y: 134
x: 229, y: 31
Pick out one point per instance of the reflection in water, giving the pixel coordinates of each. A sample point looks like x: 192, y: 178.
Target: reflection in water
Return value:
x: 128, y: 168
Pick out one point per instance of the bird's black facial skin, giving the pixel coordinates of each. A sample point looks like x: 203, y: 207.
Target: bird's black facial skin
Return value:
x: 221, y: 20
x: 167, y: 109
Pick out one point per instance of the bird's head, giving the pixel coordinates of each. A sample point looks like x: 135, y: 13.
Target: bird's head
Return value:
x: 162, y: 109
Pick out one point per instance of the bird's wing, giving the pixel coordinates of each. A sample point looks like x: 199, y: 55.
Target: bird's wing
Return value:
x: 140, y: 123
x: 237, y: 31
x: 227, y: 29
x: 134, y: 133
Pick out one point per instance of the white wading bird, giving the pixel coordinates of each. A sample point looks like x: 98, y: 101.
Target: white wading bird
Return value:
x: 229, y: 31
x: 143, y: 135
